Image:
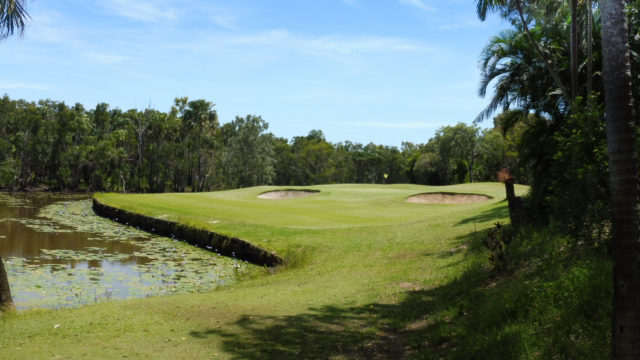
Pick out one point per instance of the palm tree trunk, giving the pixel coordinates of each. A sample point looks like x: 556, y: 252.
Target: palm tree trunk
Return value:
x: 6, y: 301
x: 616, y: 74
x: 589, y: 48
x: 542, y: 56
x: 574, y: 49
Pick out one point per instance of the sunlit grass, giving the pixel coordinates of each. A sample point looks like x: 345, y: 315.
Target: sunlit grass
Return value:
x: 357, y: 256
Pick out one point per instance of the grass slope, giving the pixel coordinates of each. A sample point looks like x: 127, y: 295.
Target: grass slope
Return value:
x: 369, y: 276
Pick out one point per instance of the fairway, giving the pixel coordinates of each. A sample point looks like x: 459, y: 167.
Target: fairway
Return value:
x: 361, y: 265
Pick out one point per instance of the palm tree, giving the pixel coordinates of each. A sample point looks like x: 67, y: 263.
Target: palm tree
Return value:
x: 589, y: 45
x: 13, y: 16
x: 519, y: 76
x: 574, y: 48
x: 200, y: 119
x: 623, y: 166
x: 508, y: 8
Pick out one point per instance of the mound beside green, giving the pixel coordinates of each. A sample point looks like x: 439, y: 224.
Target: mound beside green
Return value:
x: 363, y: 272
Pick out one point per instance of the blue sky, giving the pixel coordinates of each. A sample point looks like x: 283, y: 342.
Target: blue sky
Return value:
x: 382, y: 71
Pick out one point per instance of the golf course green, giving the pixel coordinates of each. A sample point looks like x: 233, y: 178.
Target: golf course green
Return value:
x: 356, y: 259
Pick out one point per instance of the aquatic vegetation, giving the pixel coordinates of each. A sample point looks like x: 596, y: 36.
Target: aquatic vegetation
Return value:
x: 40, y: 225
x: 12, y: 201
x: 158, y: 266
x: 78, y: 216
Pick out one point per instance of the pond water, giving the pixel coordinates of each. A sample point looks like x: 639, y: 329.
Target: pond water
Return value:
x: 58, y: 254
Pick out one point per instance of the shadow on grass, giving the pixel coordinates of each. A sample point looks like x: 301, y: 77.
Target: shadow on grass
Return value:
x: 493, y: 215
x: 476, y: 316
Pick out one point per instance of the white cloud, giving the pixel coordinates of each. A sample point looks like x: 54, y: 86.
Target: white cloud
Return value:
x: 361, y: 45
x: 414, y: 125
x: 225, y: 21
x: 49, y: 26
x: 330, y: 45
x: 418, y: 3
x: 19, y: 85
x: 261, y: 48
x: 142, y: 10
x: 106, y: 59
x: 271, y: 37
x: 449, y: 27
x: 461, y: 23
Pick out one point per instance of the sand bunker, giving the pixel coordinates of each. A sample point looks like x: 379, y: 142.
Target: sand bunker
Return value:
x: 447, y: 198
x: 287, y: 194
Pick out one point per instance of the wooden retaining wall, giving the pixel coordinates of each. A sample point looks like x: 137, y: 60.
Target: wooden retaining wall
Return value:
x: 225, y: 245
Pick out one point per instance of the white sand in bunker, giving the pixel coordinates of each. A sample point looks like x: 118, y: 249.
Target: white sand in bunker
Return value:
x: 286, y: 194
x: 447, y: 198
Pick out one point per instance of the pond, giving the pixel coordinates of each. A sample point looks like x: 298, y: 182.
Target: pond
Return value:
x: 59, y: 254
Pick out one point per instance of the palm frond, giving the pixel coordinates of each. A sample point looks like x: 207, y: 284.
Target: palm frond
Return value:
x: 13, y: 17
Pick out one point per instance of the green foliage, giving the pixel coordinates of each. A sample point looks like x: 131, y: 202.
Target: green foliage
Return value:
x: 248, y: 157
x: 560, y: 141
x: 425, y: 169
x: 52, y: 145
x: 13, y: 17
x: 578, y: 196
x: 554, y: 302
x: 497, y: 242
x: 457, y: 148
x: 8, y: 174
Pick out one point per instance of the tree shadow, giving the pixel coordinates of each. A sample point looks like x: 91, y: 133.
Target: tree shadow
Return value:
x: 320, y: 333
x: 425, y: 324
x: 467, y: 244
x: 493, y: 214
x: 477, y: 315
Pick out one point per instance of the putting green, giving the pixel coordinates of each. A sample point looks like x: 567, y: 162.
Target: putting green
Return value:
x: 333, y: 206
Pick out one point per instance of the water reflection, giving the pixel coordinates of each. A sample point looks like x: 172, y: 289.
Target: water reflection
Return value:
x: 19, y: 240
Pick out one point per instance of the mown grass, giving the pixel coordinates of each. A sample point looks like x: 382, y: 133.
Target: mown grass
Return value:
x: 373, y: 277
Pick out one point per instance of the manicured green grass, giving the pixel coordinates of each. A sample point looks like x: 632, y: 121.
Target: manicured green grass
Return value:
x: 367, y: 276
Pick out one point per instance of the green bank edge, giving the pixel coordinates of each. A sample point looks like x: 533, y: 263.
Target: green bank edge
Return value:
x: 205, y: 239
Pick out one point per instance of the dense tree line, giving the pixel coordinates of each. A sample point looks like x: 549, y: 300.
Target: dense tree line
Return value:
x: 52, y: 145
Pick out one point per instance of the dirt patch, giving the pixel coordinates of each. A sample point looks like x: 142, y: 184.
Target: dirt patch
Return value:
x: 447, y: 198
x: 410, y: 286
x: 287, y: 194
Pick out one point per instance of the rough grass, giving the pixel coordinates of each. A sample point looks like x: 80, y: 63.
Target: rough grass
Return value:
x: 367, y: 276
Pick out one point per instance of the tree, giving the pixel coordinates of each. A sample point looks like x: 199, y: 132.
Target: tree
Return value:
x: 425, y: 169
x: 589, y: 46
x: 524, y: 87
x: 519, y: 78
x: 574, y: 49
x: 13, y: 15
x: 623, y: 166
x: 492, y: 155
x: 511, y: 8
x: 313, y: 159
x: 140, y: 124
x: 200, y: 121
x: 248, y: 152
x: 457, y: 149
